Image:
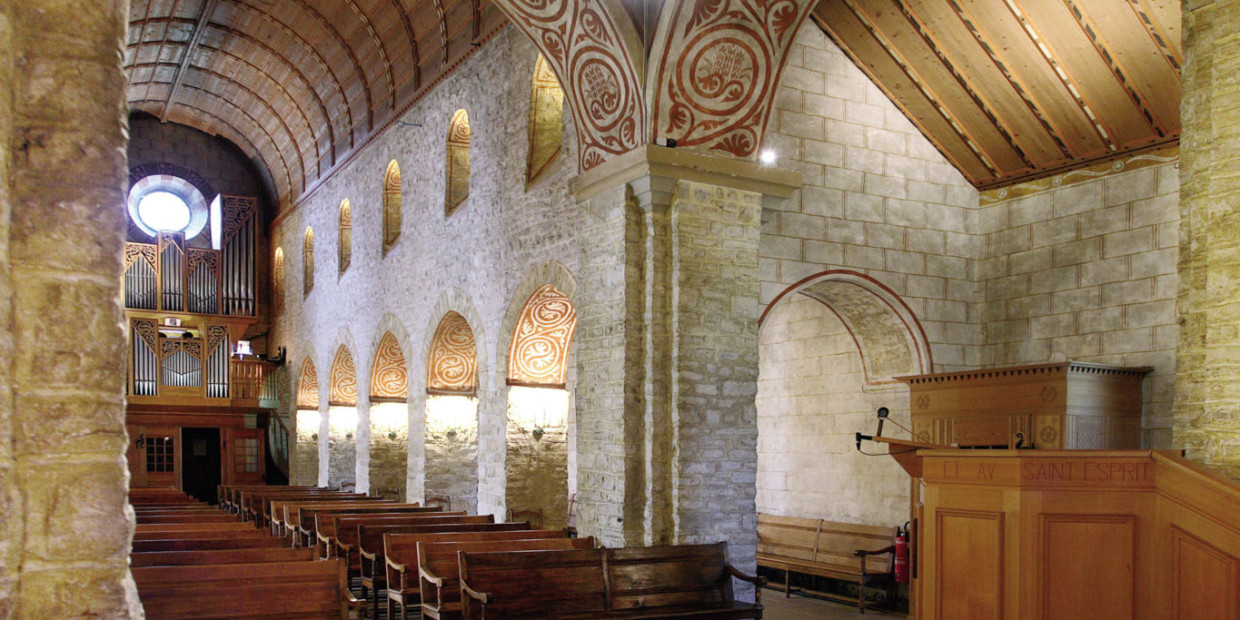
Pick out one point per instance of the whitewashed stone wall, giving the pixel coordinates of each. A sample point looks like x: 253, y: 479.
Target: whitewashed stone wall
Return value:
x: 1087, y: 271
x: 878, y: 199
x: 304, y: 453
x: 812, y: 398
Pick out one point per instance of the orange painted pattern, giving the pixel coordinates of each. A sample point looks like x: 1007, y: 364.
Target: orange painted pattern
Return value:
x: 453, y: 363
x: 539, y: 352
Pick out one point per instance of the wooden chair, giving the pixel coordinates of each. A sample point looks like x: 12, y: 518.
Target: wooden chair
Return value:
x: 443, y: 502
x: 534, y: 517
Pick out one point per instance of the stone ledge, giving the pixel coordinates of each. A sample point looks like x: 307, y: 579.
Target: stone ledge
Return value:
x: 770, y: 181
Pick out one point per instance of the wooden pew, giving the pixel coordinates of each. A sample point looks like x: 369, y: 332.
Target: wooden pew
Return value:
x: 338, y: 533
x: 234, y: 526
x: 230, y: 494
x: 862, y: 554
x: 304, y: 516
x: 200, y: 534
x: 221, y: 556
x: 266, y: 590
x: 682, y: 581
x: 214, y: 516
x: 439, y: 583
x: 285, y: 514
x: 256, y: 504
x: 204, y: 544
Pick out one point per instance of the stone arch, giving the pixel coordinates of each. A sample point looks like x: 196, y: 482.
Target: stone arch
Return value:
x: 551, y: 273
x: 343, y: 376
x: 455, y: 300
x: 277, y: 280
x: 538, y: 355
x: 345, y: 243
x: 307, y: 262
x: 457, y: 182
x: 389, y: 375
x: 308, y: 386
x: 452, y: 367
x: 391, y: 205
x: 546, y: 131
x: 888, y: 335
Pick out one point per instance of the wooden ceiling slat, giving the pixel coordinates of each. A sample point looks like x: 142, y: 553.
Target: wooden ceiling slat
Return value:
x: 851, y: 35
x: 1144, y: 67
x: 974, y: 108
x: 1162, y: 19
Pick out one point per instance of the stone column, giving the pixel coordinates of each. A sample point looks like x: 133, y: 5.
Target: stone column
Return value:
x: 669, y: 349
x: 64, y: 521
x: 1207, y: 396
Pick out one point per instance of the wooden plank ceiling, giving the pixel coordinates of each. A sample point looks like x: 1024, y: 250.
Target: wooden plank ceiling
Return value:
x: 300, y: 85
x: 1010, y: 90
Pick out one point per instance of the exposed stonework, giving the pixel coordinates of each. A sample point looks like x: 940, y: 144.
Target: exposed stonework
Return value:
x: 1208, y: 303
x: 342, y: 445
x: 304, y: 454
x: 452, y: 450
x: 537, y: 453
x: 65, y: 528
x: 387, y: 466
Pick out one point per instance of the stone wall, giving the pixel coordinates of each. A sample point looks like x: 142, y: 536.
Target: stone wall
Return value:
x: 304, y: 453
x: 812, y: 398
x: 452, y: 450
x: 389, y: 445
x: 537, y: 463
x: 1086, y: 270
x: 342, y: 447
x: 65, y: 528
x: 215, y: 159
x: 877, y: 198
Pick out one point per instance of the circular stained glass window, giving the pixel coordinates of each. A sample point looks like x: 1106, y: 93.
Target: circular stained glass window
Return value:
x: 164, y: 211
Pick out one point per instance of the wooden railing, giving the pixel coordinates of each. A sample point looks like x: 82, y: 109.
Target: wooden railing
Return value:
x: 254, y: 380
x: 278, y: 441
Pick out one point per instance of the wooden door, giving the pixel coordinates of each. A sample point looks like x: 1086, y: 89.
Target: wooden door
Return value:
x: 154, y: 456
x: 244, y: 456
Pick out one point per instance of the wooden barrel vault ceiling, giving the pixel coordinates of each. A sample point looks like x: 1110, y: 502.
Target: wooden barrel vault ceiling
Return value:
x: 299, y: 85
x: 1010, y: 90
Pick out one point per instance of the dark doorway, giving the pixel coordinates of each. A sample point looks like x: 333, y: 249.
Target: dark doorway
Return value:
x: 200, y: 463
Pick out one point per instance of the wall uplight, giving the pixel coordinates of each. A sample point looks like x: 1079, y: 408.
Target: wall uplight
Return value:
x: 767, y: 157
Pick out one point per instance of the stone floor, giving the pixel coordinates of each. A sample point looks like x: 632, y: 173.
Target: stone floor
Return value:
x: 804, y: 608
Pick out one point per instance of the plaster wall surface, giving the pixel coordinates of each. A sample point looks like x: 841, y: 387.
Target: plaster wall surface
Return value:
x: 812, y: 398
x: 877, y: 199
x: 1087, y: 271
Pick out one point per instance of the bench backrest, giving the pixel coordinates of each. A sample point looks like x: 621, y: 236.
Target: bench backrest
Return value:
x: 286, y: 589
x: 221, y: 556
x: 291, y: 511
x: 169, y: 527
x: 343, y: 527
x: 214, y: 516
x: 199, y: 534
x: 402, y: 548
x: 307, y: 515
x: 204, y: 544
x: 534, y: 584
x: 691, y: 575
x: 819, y: 540
x: 441, y: 560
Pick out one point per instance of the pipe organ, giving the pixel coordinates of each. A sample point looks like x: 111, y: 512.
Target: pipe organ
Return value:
x: 175, y: 276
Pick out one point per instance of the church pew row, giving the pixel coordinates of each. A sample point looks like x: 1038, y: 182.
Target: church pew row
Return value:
x: 299, y: 589
x: 681, y: 581
x: 285, y: 513
x: 256, y: 505
x: 304, y: 517
x: 338, y: 533
x: 253, y: 555
x: 421, y: 569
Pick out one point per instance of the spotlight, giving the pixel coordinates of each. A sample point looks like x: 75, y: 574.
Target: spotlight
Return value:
x: 767, y: 157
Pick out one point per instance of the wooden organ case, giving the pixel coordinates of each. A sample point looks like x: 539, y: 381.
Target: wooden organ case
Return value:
x: 1059, y: 406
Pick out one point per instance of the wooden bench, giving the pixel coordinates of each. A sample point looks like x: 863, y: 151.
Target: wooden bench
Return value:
x: 285, y: 514
x: 255, y: 504
x: 862, y: 554
x: 439, y: 580
x: 395, y: 558
x: 307, y: 590
x: 304, y: 517
x: 204, y: 544
x: 681, y: 581
x: 340, y: 534
x: 221, y: 556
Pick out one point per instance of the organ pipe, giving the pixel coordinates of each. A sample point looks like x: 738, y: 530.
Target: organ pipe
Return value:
x: 141, y: 286
x: 182, y: 370
x: 144, y: 365
x: 172, y: 271
x: 217, y: 370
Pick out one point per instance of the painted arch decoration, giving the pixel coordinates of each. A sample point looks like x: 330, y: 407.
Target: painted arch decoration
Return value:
x: 344, y: 379
x: 308, y: 386
x: 719, y: 67
x: 586, y: 47
x: 539, y: 352
x: 389, y: 379
x: 453, y: 365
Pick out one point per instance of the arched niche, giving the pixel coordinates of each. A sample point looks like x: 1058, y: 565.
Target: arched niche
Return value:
x: 342, y: 419
x: 307, y: 262
x: 277, y: 280
x: 457, y: 170
x: 452, y: 413
x: 304, y: 458
x: 829, y: 348
x: 546, y: 132
x: 389, y: 418
x: 345, y: 243
x: 391, y: 205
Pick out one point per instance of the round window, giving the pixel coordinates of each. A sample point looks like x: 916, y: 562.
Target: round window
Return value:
x: 164, y: 212
x: 166, y: 203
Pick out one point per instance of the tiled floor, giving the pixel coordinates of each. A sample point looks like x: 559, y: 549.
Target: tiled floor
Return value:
x: 805, y: 608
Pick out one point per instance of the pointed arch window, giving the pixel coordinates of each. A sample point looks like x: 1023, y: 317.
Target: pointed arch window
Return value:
x: 307, y: 258
x: 346, y: 235
x: 391, y: 205
x: 277, y: 284
x: 458, y: 162
x: 546, y: 132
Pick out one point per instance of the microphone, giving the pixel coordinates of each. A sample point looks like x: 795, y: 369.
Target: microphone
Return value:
x: 882, y: 417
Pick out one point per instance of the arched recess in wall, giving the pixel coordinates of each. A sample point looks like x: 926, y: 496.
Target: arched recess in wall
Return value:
x: 304, y: 465
x: 389, y: 419
x: 538, y: 407
x: 546, y: 134
x: 458, y: 162
x: 307, y: 262
x: 829, y: 349
x: 345, y: 243
x: 452, y: 413
x: 391, y: 205
x: 277, y: 280
x: 342, y: 420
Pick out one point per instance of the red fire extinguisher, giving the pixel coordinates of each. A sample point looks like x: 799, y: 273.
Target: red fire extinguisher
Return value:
x: 901, y: 563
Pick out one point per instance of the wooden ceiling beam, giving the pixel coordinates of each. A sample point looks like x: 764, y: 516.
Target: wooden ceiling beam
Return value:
x: 191, y: 46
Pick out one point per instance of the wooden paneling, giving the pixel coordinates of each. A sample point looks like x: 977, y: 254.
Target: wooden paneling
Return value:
x: 1087, y: 566
x: 1014, y: 90
x: 969, y: 564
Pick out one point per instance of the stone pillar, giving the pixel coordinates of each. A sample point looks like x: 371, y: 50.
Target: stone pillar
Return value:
x: 362, y: 444
x: 669, y: 362
x: 65, y: 526
x: 1207, y: 396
